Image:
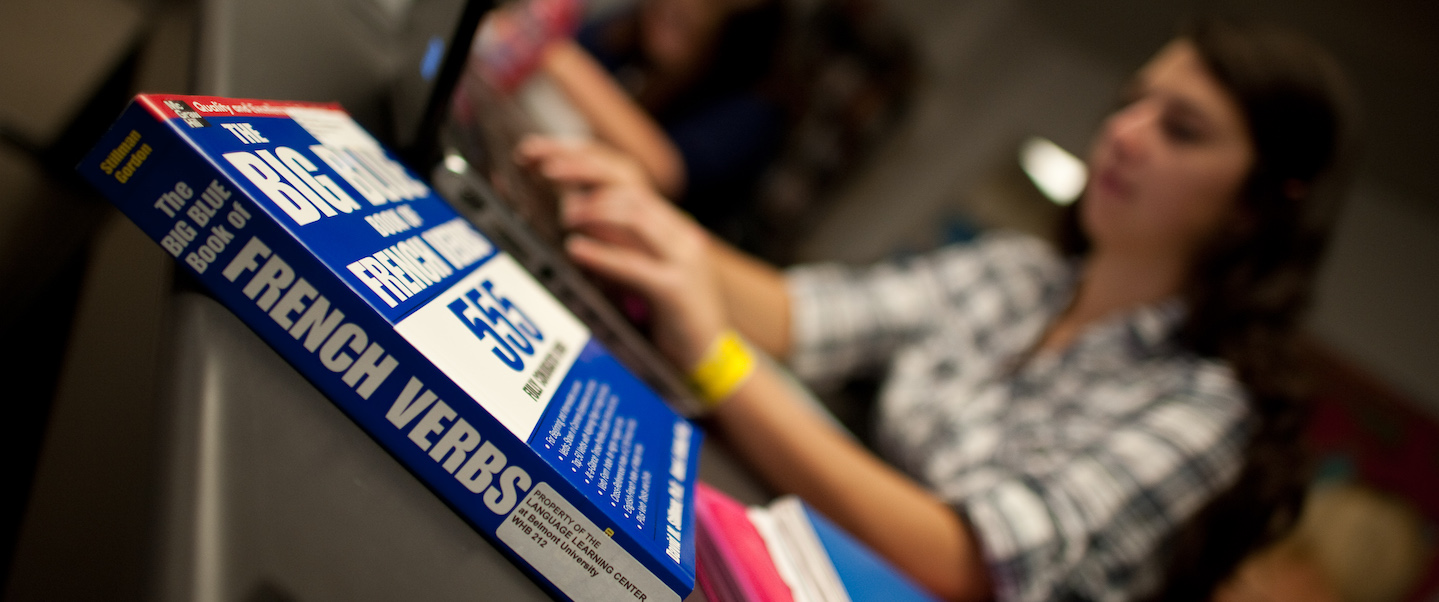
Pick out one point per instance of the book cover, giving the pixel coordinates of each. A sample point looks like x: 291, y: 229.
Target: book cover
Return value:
x: 431, y: 339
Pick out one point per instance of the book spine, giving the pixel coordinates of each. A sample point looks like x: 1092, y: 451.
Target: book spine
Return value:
x: 256, y: 268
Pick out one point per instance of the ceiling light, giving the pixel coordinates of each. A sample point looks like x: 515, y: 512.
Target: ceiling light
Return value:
x: 1058, y: 174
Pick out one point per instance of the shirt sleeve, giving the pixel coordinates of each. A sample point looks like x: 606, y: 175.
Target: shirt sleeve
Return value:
x: 847, y: 320
x: 1091, y: 527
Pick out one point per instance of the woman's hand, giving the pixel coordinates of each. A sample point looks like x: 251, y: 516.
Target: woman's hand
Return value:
x: 572, y: 163
x: 623, y: 230
x: 614, y: 116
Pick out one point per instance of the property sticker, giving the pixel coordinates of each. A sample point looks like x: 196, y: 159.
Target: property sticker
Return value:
x: 574, y: 554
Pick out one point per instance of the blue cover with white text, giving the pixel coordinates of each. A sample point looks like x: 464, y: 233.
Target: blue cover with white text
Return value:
x: 435, y: 342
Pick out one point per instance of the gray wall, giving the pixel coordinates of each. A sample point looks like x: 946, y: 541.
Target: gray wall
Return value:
x: 1379, y: 292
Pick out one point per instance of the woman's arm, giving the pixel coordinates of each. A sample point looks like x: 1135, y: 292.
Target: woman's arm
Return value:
x: 755, y: 297
x: 795, y: 451
x: 615, y: 117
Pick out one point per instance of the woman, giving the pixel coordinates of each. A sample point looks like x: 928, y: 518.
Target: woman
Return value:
x: 1091, y: 426
x: 696, y: 70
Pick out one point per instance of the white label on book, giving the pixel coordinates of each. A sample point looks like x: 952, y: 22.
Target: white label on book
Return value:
x: 501, y: 337
x: 576, y: 555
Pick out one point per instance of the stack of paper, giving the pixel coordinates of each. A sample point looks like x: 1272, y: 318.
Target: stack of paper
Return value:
x: 787, y: 551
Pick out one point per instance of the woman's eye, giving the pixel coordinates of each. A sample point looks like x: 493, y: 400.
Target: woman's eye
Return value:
x: 1182, y: 130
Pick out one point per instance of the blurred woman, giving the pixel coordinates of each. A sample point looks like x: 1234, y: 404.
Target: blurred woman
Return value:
x: 676, y: 84
x: 1110, y: 420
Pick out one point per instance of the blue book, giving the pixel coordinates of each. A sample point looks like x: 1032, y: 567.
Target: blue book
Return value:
x: 865, y: 575
x: 428, y: 336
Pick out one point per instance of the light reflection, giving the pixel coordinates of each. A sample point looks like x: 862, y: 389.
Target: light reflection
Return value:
x: 456, y: 163
x: 1057, y: 173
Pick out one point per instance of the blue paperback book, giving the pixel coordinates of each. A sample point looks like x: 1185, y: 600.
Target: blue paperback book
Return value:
x: 434, y: 341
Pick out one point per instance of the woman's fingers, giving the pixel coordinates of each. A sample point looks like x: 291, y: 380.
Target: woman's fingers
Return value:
x: 624, y: 231
x: 579, y: 162
x: 628, y: 266
x: 533, y: 147
x: 632, y: 217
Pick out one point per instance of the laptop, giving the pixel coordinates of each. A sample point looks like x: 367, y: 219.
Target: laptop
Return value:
x: 450, y: 123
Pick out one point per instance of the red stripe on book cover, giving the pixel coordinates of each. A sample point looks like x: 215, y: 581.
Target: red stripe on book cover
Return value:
x: 213, y: 106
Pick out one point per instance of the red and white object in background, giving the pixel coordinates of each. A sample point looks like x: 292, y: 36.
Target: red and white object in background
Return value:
x: 512, y: 40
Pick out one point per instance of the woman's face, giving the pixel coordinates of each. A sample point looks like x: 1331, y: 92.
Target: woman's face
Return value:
x: 677, y: 33
x: 1167, y: 168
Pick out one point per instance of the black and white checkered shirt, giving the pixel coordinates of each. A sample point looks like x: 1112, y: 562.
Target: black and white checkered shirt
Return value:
x: 1074, y: 467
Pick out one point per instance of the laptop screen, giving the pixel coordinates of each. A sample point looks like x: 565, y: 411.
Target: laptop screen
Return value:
x: 484, y: 128
x: 433, y: 45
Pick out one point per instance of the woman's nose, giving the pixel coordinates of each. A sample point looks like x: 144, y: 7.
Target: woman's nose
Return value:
x: 1132, y: 129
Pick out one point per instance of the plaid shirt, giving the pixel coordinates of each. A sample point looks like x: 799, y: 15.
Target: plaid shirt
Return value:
x: 1072, y: 468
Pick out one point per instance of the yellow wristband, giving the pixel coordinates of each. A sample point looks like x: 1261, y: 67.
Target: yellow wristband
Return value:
x: 725, y: 367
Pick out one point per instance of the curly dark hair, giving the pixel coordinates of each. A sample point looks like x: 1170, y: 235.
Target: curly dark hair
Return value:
x: 1254, y: 280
